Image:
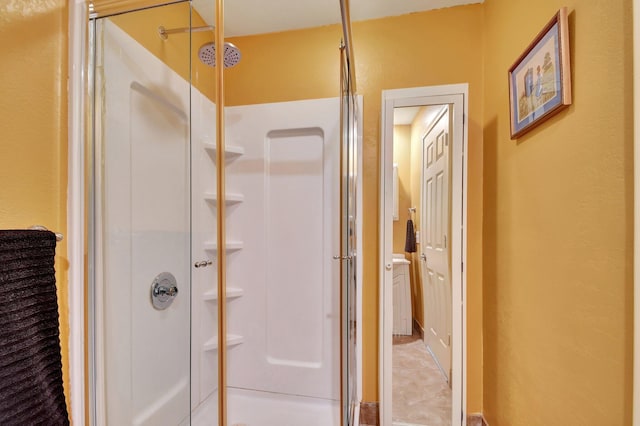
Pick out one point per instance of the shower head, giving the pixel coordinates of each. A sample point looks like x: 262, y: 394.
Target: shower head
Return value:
x: 231, y: 55
x: 207, y: 53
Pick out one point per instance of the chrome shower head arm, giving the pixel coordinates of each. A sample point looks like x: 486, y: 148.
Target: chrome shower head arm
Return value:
x: 164, y: 33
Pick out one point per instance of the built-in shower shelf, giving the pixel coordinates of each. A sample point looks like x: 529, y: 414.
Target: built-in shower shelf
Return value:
x: 230, y: 198
x: 230, y: 246
x: 232, y: 340
x: 230, y: 151
x: 232, y: 292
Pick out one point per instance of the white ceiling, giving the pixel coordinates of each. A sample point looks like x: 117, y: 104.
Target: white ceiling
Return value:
x: 244, y: 17
x: 404, y: 116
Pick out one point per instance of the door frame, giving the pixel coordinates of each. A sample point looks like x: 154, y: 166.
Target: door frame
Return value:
x: 76, y: 247
x: 636, y: 212
x: 456, y: 94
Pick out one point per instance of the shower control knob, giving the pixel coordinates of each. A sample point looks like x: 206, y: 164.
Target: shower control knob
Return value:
x: 164, y: 293
x: 164, y: 290
x: 203, y: 263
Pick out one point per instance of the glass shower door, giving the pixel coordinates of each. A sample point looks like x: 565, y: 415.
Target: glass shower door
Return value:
x: 348, y: 197
x: 141, y: 224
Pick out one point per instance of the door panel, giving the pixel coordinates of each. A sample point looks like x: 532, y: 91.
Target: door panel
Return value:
x: 142, y: 127
x: 435, y: 251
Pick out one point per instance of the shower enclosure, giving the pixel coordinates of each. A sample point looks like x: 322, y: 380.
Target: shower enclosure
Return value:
x: 277, y: 346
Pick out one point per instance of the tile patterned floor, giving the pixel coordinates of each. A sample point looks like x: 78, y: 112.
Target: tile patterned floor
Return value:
x: 421, y: 395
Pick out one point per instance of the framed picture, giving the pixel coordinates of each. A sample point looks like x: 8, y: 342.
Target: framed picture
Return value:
x: 540, y: 79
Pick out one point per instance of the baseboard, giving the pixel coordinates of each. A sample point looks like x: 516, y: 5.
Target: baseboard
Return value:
x: 369, y: 414
x: 476, y: 419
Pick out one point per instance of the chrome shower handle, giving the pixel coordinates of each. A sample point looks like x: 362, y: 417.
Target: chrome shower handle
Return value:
x: 203, y: 263
x: 164, y: 289
x: 163, y: 292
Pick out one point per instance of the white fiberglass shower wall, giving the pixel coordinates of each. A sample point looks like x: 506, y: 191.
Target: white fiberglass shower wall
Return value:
x: 283, y: 286
x: 290, y: 226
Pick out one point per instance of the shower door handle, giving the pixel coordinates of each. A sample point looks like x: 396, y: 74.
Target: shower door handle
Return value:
x: 203, y: 263
x: 337, y: 257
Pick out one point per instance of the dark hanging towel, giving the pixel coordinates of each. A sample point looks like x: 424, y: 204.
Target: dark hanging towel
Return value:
x: 30, y: 363
x: 410, y: 241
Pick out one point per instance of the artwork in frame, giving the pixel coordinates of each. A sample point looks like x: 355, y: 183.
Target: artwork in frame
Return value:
x: 540, y: 79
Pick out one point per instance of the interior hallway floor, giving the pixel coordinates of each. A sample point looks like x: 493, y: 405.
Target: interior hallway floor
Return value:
x: 421, y: 395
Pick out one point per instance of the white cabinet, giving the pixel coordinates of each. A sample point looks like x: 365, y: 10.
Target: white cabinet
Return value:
x: 402, y: 313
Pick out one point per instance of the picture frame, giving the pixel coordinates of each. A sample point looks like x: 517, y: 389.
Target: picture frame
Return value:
x: 540, y: 79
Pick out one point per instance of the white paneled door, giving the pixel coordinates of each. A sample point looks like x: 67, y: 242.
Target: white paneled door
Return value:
x: 435, y: 247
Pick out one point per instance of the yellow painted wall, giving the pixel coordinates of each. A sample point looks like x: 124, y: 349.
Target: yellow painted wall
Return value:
x: 558, y: 227
x: 143, y: 27
x: 402, y: 157
x: 33, y: 119
x: 421, y: 49
x: 285, y: 66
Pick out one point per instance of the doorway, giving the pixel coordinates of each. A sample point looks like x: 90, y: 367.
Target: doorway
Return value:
x: 448, y: 104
